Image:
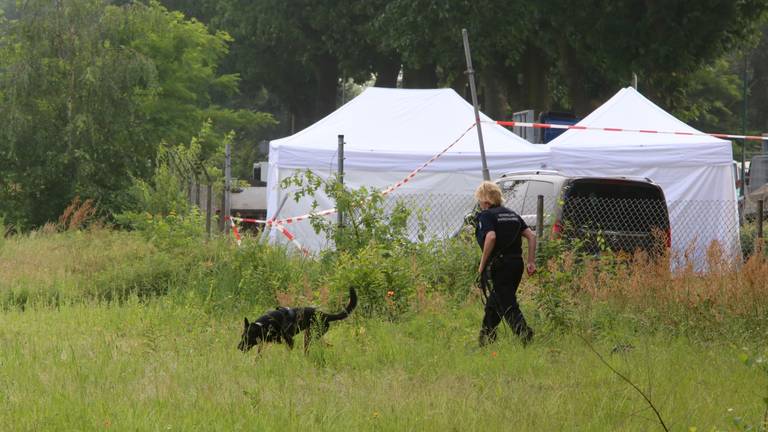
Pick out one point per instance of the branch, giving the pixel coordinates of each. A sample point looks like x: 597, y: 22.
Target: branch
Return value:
x: 647, y: 399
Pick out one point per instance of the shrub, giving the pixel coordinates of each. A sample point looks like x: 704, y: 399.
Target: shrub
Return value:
x: 169, y: 232
x: 384, y: 281
x: 449, y: 266
x: 77, y: 215
x: 365, y: 219
x: 748, y: 237
x: 265, y: 270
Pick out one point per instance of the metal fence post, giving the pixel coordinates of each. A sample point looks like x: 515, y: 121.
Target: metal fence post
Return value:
x: 760, y: 216
x: 227, y: 186
x: 221, y: 209
x: 339, y: 216
x: 208, y: 208
x: 540, y: 217
x: 197, y: 191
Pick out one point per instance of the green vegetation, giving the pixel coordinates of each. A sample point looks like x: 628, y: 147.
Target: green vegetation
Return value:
x: 163, y: 365
x: 104, y: 329
x: 117, y: 312
x: 92, y: 92
x: 89, y: 95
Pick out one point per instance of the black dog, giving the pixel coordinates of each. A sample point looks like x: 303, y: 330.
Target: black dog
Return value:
x: 281, y: 324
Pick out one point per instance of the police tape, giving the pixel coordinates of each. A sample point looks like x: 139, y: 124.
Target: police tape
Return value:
x: 235, y: 231
x: 612, y: 129
x: 390, y: 189
x: 287, y: 234
x: 279, y: 223
x: 291, y: 238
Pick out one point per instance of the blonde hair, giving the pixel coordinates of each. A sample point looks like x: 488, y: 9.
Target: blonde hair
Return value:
x: 489, y: 192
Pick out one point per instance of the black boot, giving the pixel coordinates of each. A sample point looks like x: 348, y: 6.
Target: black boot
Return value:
x: 487, y: 336
x: 526, y: 335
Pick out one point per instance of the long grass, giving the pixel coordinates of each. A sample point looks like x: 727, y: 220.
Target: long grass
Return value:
x: 158, y: 366
x: 165, y: 359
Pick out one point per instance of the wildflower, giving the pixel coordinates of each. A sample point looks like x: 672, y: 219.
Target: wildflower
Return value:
x: 375, y: 414
x: 390, y: 293
x: 494, y: 354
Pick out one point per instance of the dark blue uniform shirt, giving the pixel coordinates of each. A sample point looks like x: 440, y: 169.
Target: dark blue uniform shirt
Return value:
x: 508, y: 226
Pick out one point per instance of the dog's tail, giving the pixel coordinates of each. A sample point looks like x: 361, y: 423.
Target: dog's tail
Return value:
x: 347, y: 310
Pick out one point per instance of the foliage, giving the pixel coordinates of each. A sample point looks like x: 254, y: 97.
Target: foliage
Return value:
x: 77, y: 215
x: 266, y: 271
x: 669, y: 41
x: 384, y: 281
x: 748, y: 238
x: 543, y: 54
x: 712, y: 95
x: 558, y: 267
x: 449, y: 266
x: 759, y: 362
x: 88, y: 91
x: 159, y: 208
x: 365, y: 220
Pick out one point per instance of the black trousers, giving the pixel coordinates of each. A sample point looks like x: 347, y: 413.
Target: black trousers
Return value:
x: 505, y: 275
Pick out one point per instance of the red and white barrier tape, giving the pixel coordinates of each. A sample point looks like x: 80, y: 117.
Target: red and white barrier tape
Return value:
x: 386, y: 191
x: 278, y: 224
x: 291, y: 238
x: 427, y: 163
x: 609, y: 129
x: 235, y: 231
x: 278, y: 227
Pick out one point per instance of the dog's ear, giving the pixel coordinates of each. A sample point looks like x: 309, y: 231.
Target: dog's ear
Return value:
x: 246, y: 323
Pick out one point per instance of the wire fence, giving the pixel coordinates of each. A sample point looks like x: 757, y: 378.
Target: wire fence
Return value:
x: 692, y: 231
x: 198, y: 185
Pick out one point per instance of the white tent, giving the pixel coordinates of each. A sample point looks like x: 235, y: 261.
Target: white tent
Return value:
x: 694, y: 171
x: 388, y: 133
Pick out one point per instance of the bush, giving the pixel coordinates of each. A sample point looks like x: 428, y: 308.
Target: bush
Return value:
x: 142, y: 276
x: 449, y: 266
x: 266, y: 270
x: 748, y: 237
x: 384, y: 281
x: 365, y: 220
x: 169, y: 232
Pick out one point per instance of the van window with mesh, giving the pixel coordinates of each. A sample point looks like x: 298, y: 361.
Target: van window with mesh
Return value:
x: 615, y: 205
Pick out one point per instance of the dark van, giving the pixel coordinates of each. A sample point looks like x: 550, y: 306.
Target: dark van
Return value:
x: 601, y: 213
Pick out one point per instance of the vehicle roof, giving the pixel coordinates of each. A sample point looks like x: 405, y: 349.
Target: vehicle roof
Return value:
x: 556, y: 176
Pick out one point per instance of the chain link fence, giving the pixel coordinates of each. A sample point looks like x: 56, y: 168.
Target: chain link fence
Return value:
x: 198, y: 186
x: 692, y: 231
x: 433, y: 216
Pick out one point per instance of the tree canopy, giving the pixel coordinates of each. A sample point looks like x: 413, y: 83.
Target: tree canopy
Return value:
x: 92, y: 90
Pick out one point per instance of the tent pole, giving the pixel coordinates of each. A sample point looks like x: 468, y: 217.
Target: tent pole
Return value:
x: 471, y: 73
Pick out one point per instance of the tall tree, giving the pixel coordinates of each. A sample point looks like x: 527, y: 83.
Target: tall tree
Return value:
x: 89, y: 91
x: 598, y: 44
x: 427, y: 35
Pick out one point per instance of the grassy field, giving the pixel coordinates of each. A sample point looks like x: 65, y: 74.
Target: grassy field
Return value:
x: 166, y: 366
x: 169, y: 361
